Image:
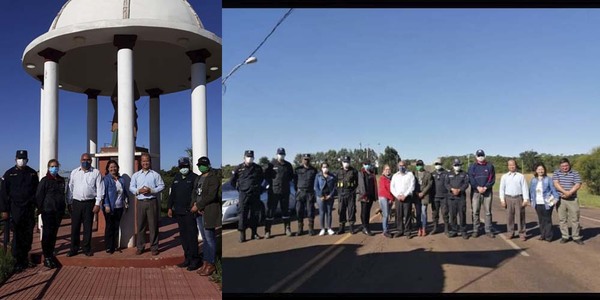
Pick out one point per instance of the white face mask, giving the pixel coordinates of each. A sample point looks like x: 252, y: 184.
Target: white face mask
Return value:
x: 249, y: 160
x: 280, y: 157
x: 184, y: 171
x: 456, y: 168
x: 21, y: 162
x: 437, y: 167
x: 345, y: 165
x: 480, y: 158
x: 325, y: 170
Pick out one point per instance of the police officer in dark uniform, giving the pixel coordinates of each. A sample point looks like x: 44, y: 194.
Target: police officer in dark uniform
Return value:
x: 18, y: 197
x: 440, y: 197
x: 247, y: 179
x: 280, y: 175
x: 304, y: 182
x: 457, y: 182
x: 347, y: 183
x: 179, y: 205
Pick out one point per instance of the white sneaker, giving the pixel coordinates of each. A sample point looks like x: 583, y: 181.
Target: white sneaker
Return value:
x: 330, y: 232
x: 322, y: 232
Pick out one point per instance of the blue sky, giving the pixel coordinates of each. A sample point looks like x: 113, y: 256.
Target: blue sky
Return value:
x: 429, y: 82
x: 21, y: 22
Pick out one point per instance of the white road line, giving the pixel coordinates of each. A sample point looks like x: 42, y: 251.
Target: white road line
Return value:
x: 319, y: 261
x: 514, y: 246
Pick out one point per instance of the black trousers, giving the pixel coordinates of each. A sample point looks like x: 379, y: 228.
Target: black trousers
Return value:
x: 440, y: 205
x: 305, y: 205
x: 51, y: 223
x: 416, y: 202
x: 283, y: 199
x: 82, y: 213
x: 544, y: 221
x: 458, y: 207
x: 403, y: 215
x: 22, y: 224
x: 247, y: 210
x: 365, y: 211
x: 347, y: 203
x: 188, y: 233
x: 111, y: 231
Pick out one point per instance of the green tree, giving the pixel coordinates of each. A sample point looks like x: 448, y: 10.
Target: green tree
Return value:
x: 390, y: 157
x: 529, y: 158
x: 588, y: 167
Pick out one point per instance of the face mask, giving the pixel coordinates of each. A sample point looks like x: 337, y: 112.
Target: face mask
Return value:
x: 203, y: 169
x: 249, y: 160
x: 438, y: 167
x: 53, y: 170
x: 345, y: 165
x: 419, y: 168
x: 184, y: 171
x: 280, y: 157
x: 21, y: 162
x: 402, y: 169
x: 366, y: 167
x: 480, y: 158
x: 325, y: 170
x: 456, y: 168
x: 86, y: 164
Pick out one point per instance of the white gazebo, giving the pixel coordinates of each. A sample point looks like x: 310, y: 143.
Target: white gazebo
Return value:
x: 94, y: 46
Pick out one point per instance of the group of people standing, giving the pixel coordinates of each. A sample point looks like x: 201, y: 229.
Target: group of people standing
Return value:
x: 86, y: 193
x: 410, y: 194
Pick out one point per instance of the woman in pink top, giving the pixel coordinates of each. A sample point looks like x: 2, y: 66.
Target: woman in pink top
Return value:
x: 385, y: 197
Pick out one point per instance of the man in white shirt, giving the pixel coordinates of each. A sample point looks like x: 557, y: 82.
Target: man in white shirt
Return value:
x: 402, y: 187
x: 84, y: 195
x: 514, y: 195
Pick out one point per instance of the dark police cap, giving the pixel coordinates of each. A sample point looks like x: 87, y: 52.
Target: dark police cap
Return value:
x: 249, y: 153
x: 306, y: 156
x: 420, y: 163
x: 203, y: 161
x: 22, y: 154
x: 346, y: 159
x: 480, y: 153
x: 183, y: 162
x: 281, y: 151
x: 457, y: 162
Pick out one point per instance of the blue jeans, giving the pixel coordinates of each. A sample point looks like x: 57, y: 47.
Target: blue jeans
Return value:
x: 384, y: 204
x: 200, y: 224
x: 423, y: 215
x: 325, y: 209
x: 209, y: 245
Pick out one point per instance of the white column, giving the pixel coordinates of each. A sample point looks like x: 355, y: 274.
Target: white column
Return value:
x: 43, y: 166
x: 92, y: 124
x: 155, y: 127
x: 49, y: 106
x: 126, y: 141
x: 199, y: 128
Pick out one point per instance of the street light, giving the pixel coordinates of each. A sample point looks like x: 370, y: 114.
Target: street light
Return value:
x: 249, y: 60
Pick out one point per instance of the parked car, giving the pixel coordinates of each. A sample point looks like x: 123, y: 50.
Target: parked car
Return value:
x: 231, y: 200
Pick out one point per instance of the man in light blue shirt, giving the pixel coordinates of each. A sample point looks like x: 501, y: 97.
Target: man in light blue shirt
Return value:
x: 146, y: 185
x: 514, y: 195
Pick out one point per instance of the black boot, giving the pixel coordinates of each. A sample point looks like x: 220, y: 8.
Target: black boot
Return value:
x: 342, y: 229
x: 242, y: 236
x: 288, y: 229
x: 268, y: 229
x: 311, y: 227
x: 352, y: 228
x: 255, y: 235
x: 300, y: 228
x: 49, y: 263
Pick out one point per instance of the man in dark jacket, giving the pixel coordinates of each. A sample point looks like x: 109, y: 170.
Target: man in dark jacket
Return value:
x: 440, y: 196
x: 18, y: 199
x: 179, y: 205
x: 366, y: 193
x: 208, y: 203
x: 347, y: 183
x: 304, y: 182
x: 280, y: 175
x: 422, y: 196
x: 457, y: 183
x: 482, y: 177
x: 247, y: 179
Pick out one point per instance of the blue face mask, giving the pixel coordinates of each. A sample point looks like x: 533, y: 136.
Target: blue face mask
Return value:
x: 53, y: 171
x: 86, y: 164
x: 402, y: 169
x: 366, y: 167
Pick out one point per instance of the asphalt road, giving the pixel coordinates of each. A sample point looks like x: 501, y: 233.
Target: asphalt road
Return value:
x: 431, y: 264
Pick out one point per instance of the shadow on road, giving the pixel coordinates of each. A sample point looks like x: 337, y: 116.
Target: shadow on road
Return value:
x: 341, y: 270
